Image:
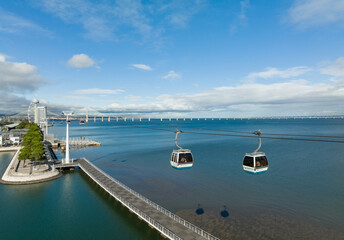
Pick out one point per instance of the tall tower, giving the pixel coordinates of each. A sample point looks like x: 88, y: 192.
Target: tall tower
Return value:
x: 67, y: 159
x: 41, y: 115
x: 87, y: 114
x: 35, y: 102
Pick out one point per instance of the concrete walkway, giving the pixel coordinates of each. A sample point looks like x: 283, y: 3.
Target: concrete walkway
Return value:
x: 168, y: 224
x: 9, y: 149
x: 26, y: 174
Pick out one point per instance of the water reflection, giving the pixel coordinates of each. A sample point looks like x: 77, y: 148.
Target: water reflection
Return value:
x: 224, y: 213
x: 259, y: 226
x: 199, y: 210
x: 300, y: 185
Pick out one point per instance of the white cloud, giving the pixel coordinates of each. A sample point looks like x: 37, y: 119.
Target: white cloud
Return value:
x: 276, y: 73
x: 241, y: 18
x: 250, y: 99
x: 98, y: 91
x: 285, y: 98
x: 244, y: 6
x: 133, y: 98
x: 142, y: 67
x: 105, y: 20
x: 172, y: 75
x: 178, y: 13
x: 337, y: 69
x: 2, y: 58
x: 80, y: 61
x: 18, y: 76
x: 316, y: 12
x: 11, y: 23
x: 101, y: 19
x: 11, y: 103
x: 79, y: 98
x: 179, y: 20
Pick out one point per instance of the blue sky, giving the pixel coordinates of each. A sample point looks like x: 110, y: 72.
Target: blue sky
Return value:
x: 174, y: 58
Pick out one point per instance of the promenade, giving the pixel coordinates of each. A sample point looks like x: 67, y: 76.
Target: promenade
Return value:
x: 168, y: 224
x: 20, y: 172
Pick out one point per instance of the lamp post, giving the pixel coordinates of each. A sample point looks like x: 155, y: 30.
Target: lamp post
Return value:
x: 67, y: 160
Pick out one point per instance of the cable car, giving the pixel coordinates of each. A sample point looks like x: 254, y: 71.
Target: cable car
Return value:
x: 255, y: 162
x: 181, y: 158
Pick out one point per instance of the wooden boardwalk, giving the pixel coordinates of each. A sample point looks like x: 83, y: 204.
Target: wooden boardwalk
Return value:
x: 164, y: 221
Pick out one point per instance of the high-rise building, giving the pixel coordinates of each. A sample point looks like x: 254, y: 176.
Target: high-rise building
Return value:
x: 35, y: 102
x: 41, y: 114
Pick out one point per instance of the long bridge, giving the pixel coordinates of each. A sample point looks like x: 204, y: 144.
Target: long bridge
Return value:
x: 167, y: 223
x: 165, y: 119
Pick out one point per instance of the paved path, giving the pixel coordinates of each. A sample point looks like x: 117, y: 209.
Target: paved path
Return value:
x: 24, y: 175
x: 9, y: 149
x: 167, y: 223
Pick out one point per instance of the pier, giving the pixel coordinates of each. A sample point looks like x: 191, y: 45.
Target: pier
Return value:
x: 19, y: 172
x: 74, y: 142
x: 167, y: 223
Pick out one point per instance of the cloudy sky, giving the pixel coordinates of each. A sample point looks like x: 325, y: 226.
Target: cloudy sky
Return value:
x: 174, y: 58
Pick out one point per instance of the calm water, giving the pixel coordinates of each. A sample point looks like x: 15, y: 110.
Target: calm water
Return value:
x: 71, y: 207
x: 301, y: 196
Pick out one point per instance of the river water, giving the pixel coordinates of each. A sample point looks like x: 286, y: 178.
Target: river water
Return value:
x: 300, y: 197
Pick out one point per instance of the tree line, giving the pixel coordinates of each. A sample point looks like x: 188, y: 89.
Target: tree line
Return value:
x: 33, y: 146
x: 24, y: 124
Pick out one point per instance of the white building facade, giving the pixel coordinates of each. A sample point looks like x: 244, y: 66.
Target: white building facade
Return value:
x: 41, y: 114
x: 15, y: 140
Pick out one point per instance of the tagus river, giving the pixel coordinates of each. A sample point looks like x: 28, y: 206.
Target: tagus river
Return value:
x: 300, y: 197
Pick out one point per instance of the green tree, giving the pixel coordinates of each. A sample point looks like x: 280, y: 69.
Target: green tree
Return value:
x: 37, y: 151
x: 24, y: 124
x: 33, y: 147
x: 34, y: 127
x: 31, y: 136
x: 5, y: 123
x: 25, y: 153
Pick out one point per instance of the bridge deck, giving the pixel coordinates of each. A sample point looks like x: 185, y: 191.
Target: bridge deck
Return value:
x: 167, y: 223
x: 67, y: 165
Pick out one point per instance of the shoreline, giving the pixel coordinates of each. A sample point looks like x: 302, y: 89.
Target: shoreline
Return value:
x: 9, y: 149
x: 9, y: 179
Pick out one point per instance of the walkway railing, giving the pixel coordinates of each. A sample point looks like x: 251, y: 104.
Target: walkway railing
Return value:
x: 136, y: 210
x: 156, y: 206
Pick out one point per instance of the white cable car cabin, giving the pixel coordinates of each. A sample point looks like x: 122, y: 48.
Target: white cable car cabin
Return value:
x: 255, y: 162
x: 181, y: 158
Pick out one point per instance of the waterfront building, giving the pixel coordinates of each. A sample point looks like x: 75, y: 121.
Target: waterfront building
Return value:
x: 1, y: 142
x: 14, y: 140
x: 10, y: 126
x: 41, y: 115
x: 35, y: 102
x: 16, y: 135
